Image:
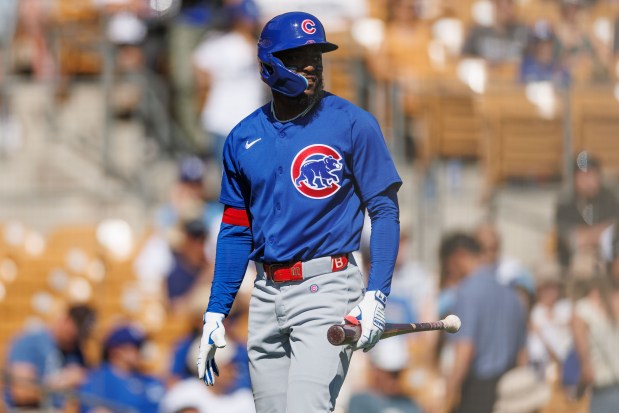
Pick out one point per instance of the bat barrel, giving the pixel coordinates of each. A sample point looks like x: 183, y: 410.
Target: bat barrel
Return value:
x: 345, y: 334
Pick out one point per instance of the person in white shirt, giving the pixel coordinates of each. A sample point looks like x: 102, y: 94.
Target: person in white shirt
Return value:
x: 550, y: 336
x: 227, y: 74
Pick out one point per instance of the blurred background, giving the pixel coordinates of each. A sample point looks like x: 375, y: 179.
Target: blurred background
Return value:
x: 503, y: 119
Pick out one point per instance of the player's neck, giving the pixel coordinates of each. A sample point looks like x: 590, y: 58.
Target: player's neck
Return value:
x: 286, y: 109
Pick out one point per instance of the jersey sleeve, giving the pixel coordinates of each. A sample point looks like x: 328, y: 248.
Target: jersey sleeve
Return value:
x: 232, y: 187
x: 372, y: 166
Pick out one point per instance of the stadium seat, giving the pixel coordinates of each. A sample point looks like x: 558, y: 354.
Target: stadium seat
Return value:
x: 519, y: 140
x: 595, y: 125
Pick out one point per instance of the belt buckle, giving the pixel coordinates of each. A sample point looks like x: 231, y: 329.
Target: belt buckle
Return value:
x: 296, y: 271
x: 282, y: 272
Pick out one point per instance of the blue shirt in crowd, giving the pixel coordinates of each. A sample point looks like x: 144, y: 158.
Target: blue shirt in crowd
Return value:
x: 39, y: 349
x: 493, y: 319
x: 134, y: 390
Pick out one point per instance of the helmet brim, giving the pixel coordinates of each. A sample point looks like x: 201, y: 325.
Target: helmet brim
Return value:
x: 325, y: 47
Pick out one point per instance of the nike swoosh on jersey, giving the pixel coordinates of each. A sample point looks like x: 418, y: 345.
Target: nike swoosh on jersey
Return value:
x: 249, y: 144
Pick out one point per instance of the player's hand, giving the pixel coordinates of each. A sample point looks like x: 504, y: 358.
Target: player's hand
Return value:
x: 370, y: 314
x: 212, y: 338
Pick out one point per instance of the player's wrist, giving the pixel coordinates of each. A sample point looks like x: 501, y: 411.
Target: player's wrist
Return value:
x: 376, y: 295
x: 211, y: 317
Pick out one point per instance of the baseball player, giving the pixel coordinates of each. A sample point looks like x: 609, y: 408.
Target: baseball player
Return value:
x: 298, y: 175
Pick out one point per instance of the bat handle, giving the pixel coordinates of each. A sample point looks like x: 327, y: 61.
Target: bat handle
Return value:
x: 343, y: 334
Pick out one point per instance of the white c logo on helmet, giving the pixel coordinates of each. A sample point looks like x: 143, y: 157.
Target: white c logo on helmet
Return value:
x: 308, y: 26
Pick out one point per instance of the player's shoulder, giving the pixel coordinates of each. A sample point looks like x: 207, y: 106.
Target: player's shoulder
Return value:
x: 247, y: 126
x: 339, y: 104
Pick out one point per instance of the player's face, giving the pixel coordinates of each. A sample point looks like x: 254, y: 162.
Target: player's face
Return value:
x: 307, y: 62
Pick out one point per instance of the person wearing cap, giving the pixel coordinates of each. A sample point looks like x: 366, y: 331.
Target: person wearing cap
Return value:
x: 584, y: 213
x: 51, y: 357
x: 385, y: 392
x: 188, y: 200
x: 541, y: 61
x: 191, y: 393
x: 190, y: 268
x: 188, y: 196
x: 118, y: 385
x: 235, y: 324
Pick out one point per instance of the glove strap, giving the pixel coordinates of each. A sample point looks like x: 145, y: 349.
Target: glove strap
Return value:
x: 380, y: 297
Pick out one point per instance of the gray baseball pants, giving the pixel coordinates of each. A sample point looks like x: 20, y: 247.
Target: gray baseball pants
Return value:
x: 293, y: 368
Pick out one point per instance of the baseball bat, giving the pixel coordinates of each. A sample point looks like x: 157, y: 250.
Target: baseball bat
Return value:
x: 345, y: 334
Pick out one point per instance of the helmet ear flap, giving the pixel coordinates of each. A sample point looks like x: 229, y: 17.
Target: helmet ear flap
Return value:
x: 281, y: 79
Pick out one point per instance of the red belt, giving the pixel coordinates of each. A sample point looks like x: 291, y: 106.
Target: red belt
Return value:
x: 293, y: 271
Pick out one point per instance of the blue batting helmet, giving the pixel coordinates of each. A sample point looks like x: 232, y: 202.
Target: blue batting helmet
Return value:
x: 283, y: 32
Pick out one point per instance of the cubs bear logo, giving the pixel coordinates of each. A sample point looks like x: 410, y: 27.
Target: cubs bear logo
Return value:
x: 308, y: 26
x: 316, y: 171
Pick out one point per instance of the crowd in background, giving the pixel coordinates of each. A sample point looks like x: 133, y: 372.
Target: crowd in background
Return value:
x: 527, y: 330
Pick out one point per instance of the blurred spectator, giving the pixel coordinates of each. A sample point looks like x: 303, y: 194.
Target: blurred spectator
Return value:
x: 50, y: 357
x: 193, y: 393
x: 596, y: 336
x: 226, y: 68
x: 521, y: 391
x: 492, y: 338
x: 190, y: 268
x: 34, y: 51
x: 186, y: 29
x: 126, y: 30
x: 118, y: 382
x: 187, y: 197
x: 181, y: 369
x: 542, y: 61
x: 502, y: 42
x: 187, y: 200
x: 586, y: 57
x: 385, y: 388
x: 508, y: 270
x: 550, y: 337
x: 584, y: 213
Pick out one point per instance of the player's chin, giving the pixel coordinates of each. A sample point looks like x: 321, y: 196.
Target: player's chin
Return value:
x: 314, y: 88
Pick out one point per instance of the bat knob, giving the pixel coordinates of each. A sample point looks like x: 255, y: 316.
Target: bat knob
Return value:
x: 336, y: 335
x: 452, y: 323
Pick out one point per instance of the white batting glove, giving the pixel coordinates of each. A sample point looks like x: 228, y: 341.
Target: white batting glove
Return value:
x: 370, y: 313
x: 212, y: 338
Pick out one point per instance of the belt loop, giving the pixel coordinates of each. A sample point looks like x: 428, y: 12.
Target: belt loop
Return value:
x: 351, y: 259
x: 260, y: 270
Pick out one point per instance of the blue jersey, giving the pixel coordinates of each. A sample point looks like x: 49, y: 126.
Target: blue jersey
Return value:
x: 304, y: 183
x: 128, y: 390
